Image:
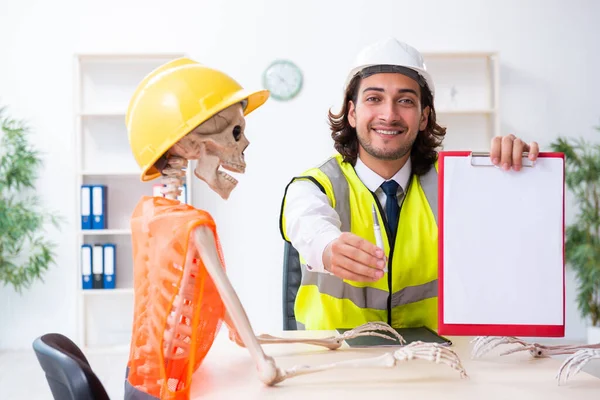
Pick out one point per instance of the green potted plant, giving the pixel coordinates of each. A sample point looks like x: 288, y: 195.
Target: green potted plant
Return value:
x: 582, y: 246
x: 25, y: 251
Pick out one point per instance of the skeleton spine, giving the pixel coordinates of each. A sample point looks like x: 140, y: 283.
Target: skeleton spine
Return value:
x: 173, y: 177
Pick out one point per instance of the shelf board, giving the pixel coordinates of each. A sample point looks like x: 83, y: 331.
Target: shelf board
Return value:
x: 106, y: 292
x: 94, y: 232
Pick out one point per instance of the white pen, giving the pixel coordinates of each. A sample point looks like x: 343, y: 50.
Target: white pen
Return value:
x: 378, y: 237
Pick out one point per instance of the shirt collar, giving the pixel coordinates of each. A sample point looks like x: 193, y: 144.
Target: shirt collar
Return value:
x: 372, y: 180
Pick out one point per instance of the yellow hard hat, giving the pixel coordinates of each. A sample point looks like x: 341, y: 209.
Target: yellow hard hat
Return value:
x: 173, y: 100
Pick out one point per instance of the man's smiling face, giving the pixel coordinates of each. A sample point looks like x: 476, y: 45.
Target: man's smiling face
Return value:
x: 387, y: 115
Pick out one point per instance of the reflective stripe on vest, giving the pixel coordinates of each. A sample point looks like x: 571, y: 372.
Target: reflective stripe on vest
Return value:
x: 429, y: 183
x: 369, y: 297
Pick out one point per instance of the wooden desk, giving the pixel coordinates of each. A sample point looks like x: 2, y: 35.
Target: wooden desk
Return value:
x: 228, y: 372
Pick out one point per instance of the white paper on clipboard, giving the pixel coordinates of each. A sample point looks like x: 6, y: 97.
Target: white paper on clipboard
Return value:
x: 503, y: 235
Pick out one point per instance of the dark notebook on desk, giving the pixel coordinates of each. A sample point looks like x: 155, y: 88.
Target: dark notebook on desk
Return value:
x: 422, y: 334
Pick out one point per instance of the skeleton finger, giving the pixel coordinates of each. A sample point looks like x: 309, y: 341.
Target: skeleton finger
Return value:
x: 573, y: 364
x: 432, y: 352
x: 584, y: 357
x: 344, y: 336
x: 564, y: 370
x: 486, y: 344
x: 370, y: 328
x: 578, y: 364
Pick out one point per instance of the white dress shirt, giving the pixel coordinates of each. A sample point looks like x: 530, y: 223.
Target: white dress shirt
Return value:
x: 312, y: 223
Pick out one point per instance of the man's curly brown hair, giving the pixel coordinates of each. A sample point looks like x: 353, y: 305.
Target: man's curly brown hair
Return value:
x: 424, y: 150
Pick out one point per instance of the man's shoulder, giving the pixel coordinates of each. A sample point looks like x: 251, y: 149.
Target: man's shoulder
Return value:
x: 334, y: 158
x: 323, y: 163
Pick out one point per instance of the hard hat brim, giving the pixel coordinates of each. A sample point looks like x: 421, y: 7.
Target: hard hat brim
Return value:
x: 254, y: 100
x: 420, y: 71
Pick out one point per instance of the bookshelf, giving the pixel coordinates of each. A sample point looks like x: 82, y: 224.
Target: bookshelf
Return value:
x: 467, y: 97
x: 104, y: 83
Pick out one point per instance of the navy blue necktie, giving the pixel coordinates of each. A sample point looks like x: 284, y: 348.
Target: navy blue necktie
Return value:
x: 392, y: 209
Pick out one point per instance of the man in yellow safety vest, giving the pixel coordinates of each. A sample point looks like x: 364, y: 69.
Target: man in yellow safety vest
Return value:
x: 386, y: 136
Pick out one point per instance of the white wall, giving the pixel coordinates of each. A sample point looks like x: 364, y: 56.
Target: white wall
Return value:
x: 549, y: 78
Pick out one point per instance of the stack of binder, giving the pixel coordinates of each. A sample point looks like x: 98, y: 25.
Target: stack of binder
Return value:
x: 93, y: 207
x: 98, y: 266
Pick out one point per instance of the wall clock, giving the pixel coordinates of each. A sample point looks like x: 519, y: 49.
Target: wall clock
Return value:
x: 283, y: 79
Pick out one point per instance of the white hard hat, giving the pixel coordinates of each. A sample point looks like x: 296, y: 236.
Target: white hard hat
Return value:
x: 391, y: 52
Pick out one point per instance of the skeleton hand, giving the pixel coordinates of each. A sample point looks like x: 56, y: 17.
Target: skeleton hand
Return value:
x: 332, y: 342
x: 432, y: 352
x: 335, y: 342
x: 574, y: 363
x: 484, y: 344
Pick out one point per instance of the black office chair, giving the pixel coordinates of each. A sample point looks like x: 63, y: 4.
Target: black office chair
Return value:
x: 292, y: 276
x: 68, y: 372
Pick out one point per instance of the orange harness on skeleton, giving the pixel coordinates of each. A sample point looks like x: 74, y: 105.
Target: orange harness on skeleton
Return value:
x: 177, y: 308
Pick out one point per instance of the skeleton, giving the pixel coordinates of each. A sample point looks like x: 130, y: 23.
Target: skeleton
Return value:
x: 220, y: 143
x: 580, y: 355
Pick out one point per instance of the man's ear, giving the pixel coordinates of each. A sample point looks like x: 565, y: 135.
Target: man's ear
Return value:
x: 352, y: 114
x: 424, y: 118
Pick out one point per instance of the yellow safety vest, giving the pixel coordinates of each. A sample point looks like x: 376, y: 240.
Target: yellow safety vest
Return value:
x: 406, y: 296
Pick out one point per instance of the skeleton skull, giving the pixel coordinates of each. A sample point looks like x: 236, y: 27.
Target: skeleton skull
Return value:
x: 217, y: 143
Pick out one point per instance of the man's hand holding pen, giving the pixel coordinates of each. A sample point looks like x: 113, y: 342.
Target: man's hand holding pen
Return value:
x: 354, y: 258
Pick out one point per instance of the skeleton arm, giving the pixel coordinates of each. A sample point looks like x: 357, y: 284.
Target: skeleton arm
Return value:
x: 335, y: 342
x: 269, y: 373
x: 484, y: 344
x: 579, y: 354
x: 331, y: 342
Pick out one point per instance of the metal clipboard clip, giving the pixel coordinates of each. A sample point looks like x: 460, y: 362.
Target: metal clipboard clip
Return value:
x: 482, y: 159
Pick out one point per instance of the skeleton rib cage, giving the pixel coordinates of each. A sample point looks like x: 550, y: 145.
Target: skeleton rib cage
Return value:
x: 178, y: 310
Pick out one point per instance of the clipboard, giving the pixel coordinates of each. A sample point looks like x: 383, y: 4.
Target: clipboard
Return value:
x: 501, y: 246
